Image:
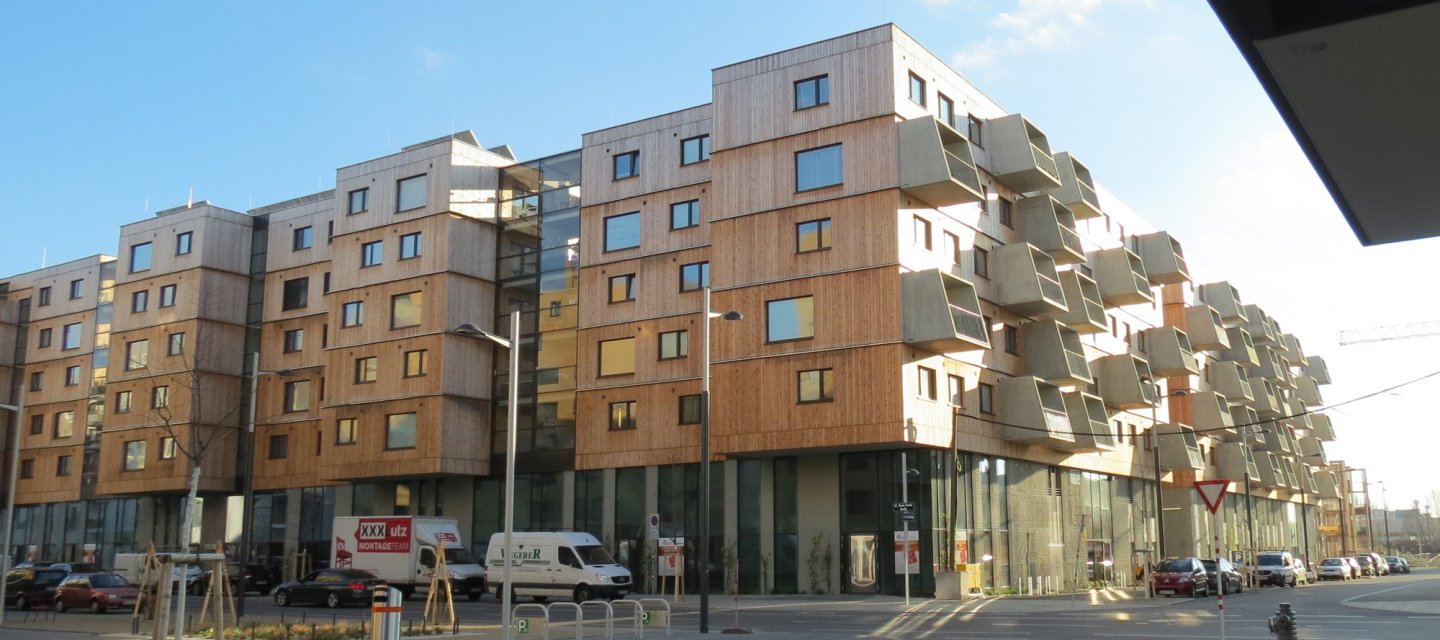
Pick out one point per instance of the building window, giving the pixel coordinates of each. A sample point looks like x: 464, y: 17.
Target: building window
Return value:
x: 622, y: 288
x: 279, y: 446
x: 417, y: 363
x: 72, y: 376
x: 367, y: 369
x: 815, y: 385
x: 812, y: 92
x: 175, y: 344
x: 44, y: 338
x: 957, y: 391
x: 44, y: 296
x: 183, y: 242
x: 690, y: 409
x: 1007, y: 212
x: 134, y: 455
x: 400, y: 431
x: 405, y: 309
x: 62, y: 466
x: 76, y: 288
x: 295, y: 294
x: 927, y: 383
x: 1012, y: 340
x: 372, y: 253
x: 37, y: 424
x: 622, y: 231
x: 70, y: 336
x: 359, y: 201
x: 684, y: 215
x: 921, y: 230
x: 297, y: 396
x: 169, y: 448
x: 140, y: 301
x: 294, y: 340
x: 975, y: 132
x: 122, y: 401
x: 345, y: 430
x: 27, y: 468
x: 674, y: 344
x: 982, y: 263
x: 987, y: 399
x: 812, y: 235
x: 819, y: 168
x: 303, y: 238
x: 917, y: 90
x: 352, y: 314
x: 622, y: 415
x: 140, y: 257
x: 37, y: 381
x: 627, y: 164
x: 790, y: 319
x: 410, y: 246
x: 160, y: 397
x: 64, y: 424
x: 952, y: 247
x: 617, y: 357
x: 167, y: 296
x: 693, y: 150
x: 694, y: 277
x: 946, y: 109
x: 137, y: 355
x: 410, y: 193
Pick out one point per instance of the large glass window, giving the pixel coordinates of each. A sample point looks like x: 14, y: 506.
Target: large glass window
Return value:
x: 790, y: 319
x: 684, y: 215
x: 622, y: 415
x: 674, y: 344
x: 137, y: 355
x: 622, y: 231
x: 134, y: 455
x: 70, y: 336
x: 617, y: 357
x: 400, y: 431
x: 405, y: 309
x: 815, y: 385
x: 297, y: 396
x: 416, y: 363
x: 693, y: 150
x: 295, y: 294
x: 140, y: 257
x: 410, y: 193
x: 627, y: 164
x: 812, y: 92
x: 819, y: 168
x: 694, y: 277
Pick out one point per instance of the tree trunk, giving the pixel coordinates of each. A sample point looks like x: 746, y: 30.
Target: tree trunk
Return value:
x: 185, y: 526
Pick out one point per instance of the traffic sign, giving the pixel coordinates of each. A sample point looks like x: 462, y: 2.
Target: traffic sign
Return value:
x: 904, y: 506
x: 908, y: 516
x: 1212, y: 492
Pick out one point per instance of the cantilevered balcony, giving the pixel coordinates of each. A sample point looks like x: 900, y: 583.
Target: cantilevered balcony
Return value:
x: 1307, y: 477
x: 1179, y: 448
x: 1034, y: 411
x: 1124, y: 381
x: 1226, y: 300
x: 1228, y: 379
x: 1321, y: 427
x: 1020, y: 155
x: 936, y: 164
x: 1082, y: 295
x: 942, y: 312
x: 1262, y: 330
x: 1205, y: 328
x: 1292, y: 478
x: 1296, y: 414
x: 1047, y: 224
x: 1242, y: 350
x: 1121, y: 276
x: 1272, y: 473
x: 1236, y: 462
x: 1308, y: 391
x: 1247, y: 423
x: 1027, y: 282
x: 1312, y: 450
x: 1077, y: 189
x: 1294, y: 353
x: 1089, y: 422
x: 1054, y: 354
x: 1164, y: 260
x: 1273, y: 440
x: 1327, y: 485
x: 1271, y: 368
x: 1170, y: 352
x: 1267, y: 398
x: 1210, y: 413
x: 1315, y: 368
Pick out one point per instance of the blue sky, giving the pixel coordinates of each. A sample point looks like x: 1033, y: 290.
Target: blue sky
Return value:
x: 110, y: 106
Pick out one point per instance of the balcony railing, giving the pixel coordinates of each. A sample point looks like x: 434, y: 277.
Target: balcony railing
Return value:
x: 1087, y: 195
x: 962, y: 172
x: 1044, y: 161
x: 1051, y: 289
x: 1076, y: 361
x: 969, y: 323
x: 1071, y: 240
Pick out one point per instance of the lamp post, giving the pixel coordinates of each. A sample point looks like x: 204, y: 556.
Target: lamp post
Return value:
x: 513, y: 344
x: 247, y: 479
x: 1385, y: 501
x: 705, y: 459
x: 1155, y: 458
x: 19, y: 410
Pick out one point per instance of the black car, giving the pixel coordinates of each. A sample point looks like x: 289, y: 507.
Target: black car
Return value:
x: 330, y: 587
x: 31, y: 587
x: 77, y: 567
x: 1234, y: 583
x: 257, y: 577
x: 1398, y: 564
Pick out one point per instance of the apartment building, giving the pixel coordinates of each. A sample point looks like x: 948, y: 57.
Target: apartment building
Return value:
x: 937, y: 303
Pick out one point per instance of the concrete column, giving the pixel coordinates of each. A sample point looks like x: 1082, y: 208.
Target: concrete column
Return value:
x: 818, y: 520
x: 457, y: 500
x: 767, y: 523
x: 607, y: 509
x: 345, y: 500
x: 567, y: 500
x: 212, y: 521
x: 292, y: 530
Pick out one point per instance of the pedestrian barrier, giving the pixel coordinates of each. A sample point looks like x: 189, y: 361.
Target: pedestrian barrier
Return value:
x: 531, y: 625
x: 656, y: 616
x: 638, y: 628
x: 579, y: 617
x: 609, y: 617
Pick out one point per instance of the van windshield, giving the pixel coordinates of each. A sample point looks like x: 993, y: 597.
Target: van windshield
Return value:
x: 594, y: 554
x: 1268, y: 559
x: 459, y: 555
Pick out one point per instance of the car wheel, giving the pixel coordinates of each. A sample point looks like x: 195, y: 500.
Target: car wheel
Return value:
x: 332, y: 600
x: 282, y: 598
x: 96, y: 607
x: 582, y: 593
x: 1240, y: 586
x: 59, y: 606
x: 474, y: 595
x: 21, y: 603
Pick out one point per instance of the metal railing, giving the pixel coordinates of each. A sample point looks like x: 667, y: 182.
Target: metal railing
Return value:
x: 1141, y: 282
x: 1044, y: 161
x: 1057, y: 422
x: 1077, y: 363
x: 962, y: 172
x: 1050, y: 288
x: 1070, y: 239
x: 1087, y: 194
x: 968, y: 323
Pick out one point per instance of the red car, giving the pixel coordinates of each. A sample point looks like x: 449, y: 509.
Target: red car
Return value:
x: 98, y: 592
x: 1181, y: 577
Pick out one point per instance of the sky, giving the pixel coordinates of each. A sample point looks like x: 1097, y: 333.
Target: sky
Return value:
x: 115, y: 110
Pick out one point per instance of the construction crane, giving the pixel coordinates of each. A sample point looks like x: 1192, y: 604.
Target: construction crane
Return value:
x: 1395, y: 332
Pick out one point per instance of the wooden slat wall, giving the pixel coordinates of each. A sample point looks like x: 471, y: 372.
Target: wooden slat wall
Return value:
x: 168, y: 476
x: 58, y: 278
x: 655, y: 233
x: 34, y: 353
x: 860, y: 237
x: 658, y: 141
x: 453, y: 437
x: 45, y: 486
x: 220, y: 241
x: 301, y: 467
x: 657, y: 294
x: 658, y: 438
x: 856, y: 308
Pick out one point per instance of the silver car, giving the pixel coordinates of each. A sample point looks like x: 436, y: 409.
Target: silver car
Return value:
x: 1334, y: 569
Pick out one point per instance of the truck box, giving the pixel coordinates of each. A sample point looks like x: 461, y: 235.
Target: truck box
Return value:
x: 402, y: 550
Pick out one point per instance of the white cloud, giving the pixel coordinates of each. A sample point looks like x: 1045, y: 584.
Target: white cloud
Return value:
x: 431, y: 60
x: 1034, y: 25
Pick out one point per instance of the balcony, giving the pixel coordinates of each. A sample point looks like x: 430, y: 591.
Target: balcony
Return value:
x: 1225, y: 299
x: 1020, y: 155
x: 1047, y: 224
x: 1312, y: 450
x: 1308, y: 391
x: 1236, y: 462
x: 1164, y: 260
x: 1271, y: 368
x: 1122, y: 380
x: 1307, y: 478
x: 936, y: 164
x: 1205, y: 328
x: 1077, y: 188
x: 1327, y: 485
x: 1247, y: 423
x: 1241, y: 351
x: 1054, y: 354
x: 1026, y: 281
x: 1297, y: 418
x: 1179, y: 448
x: 1228, y: 379
x: 1267, y: 398
x: 1315, y: 368
x: 1321, y: 427
x: 1037, y: 409
x: 1262, y: 330
x: 1089, y: 422
x: 1294, y: 353
x: 1272, y: 474
x: 1274, y: 440
x: 942, y: 312
x: 1082, y: 295
x: 1291, y: 477
x: 1121, y: 276
x: 1210, y: 412
x: 1170, y: 352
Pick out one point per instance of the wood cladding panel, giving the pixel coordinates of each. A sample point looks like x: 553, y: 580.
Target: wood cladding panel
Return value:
x: 649, y: 368
x: 220, y: 240
x: 658, y: 141
x: 861, y: 236
x: 658, y: 437
x: 199, y: 293
x: 46, y: 485
x: 58, y: 279
x: 459, y: 178
x: 203, y: 398
x: 47, y: 413
x: 315, y: 295
x: 447, y: 301
x: 342, y: 386
x: 52, y: 375
x: 656, y: 288
x: 281, y: 253
x: 656, y: 236
x: 34, y: 353
x: 209, y: 346
x: 449, y: 243
x: 161, y: 475
x: 300, y: 466
x: 452, y: 438
x: 851, y: 309
x: 311, y: 354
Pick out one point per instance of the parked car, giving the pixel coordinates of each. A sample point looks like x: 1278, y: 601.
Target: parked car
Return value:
x: 1354, y: 564
x: 1303, y: 575
x: 1180, y: 577
x: 1275, y: 567
x: 98, y: 592
x: 330, y: 587
x: 1382, y: 567
x: 31, y: 587
x: 33, y: 564
x: 1367, y: 565
x: 1398, y: 564
x: 77, y: 567
x: 1234, y: 582
x: 1335, y: 569
x: 258, y: 577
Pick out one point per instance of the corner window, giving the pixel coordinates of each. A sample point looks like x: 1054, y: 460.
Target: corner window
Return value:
x: 294, y: 340
x: 690, y: 409
x: 622, y: 415
x: 359, y: 201
x: 140, y: 301
x: 926, y: 383
x: 297, y: 396
x: 410, y: 193
x: 183, y: 242
x: 352, y: 314
x: 957, y: 391
x: 405, y: 309
x: 44, y: 297
x: 812, y: 92
x: 367, y: 369
x: 345, y: 431
x: 987, y: 399
x: 982, y: 263
x: 140, y: 257
x: 917, y: 90
x: 175, y: 344
x: 617, y: 357
x: 70, y: 336
x: 279, y: 446
x: 622, y: 288
x: 627, y: 164
x: 921, y: 229
x: 815, y: 385
x: 790, y: 319
x: 416, y: 363
x: 946, y: 109
x: 372, y: 253
x: 409, y: 246
x: 674, y: 344
x: 684, y: 215
x: 167, y: 296
x: 812, y: 235
x: 137, y: 355
x: 622, y: 231
x: 694, y: 277
x: 303, y: 238
x: 134, y: 455
x: 400, y: 431
x: 819, y: 168
x: 693, y: 150
x: 77, y: 288
x: 295, y: 294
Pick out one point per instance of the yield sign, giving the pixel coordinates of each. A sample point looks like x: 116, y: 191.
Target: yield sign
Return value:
x: 1211, y: 491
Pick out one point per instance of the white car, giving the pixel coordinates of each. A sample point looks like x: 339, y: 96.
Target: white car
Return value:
x: 1334, y: 569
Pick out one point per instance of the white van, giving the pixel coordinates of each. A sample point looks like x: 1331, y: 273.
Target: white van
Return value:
x: 559, y: 564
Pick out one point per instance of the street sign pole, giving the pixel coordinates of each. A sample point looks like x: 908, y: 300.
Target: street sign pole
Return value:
x: 1212, y: 492
x: 904, y: 523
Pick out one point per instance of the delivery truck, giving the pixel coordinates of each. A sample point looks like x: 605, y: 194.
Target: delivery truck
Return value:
x: 561, y: 564
x: 403, y: 551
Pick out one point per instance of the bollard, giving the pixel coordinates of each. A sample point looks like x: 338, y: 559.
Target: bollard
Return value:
x: 1282, y: 624
x: 385, y: 610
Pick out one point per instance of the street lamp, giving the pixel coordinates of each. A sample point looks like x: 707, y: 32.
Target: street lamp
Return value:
x: 19, y: 410
x: 513, y: 344
x: 1385, y: 500
x: 248, y: 502
x: 1155, y: 455
x: 705, y: 459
